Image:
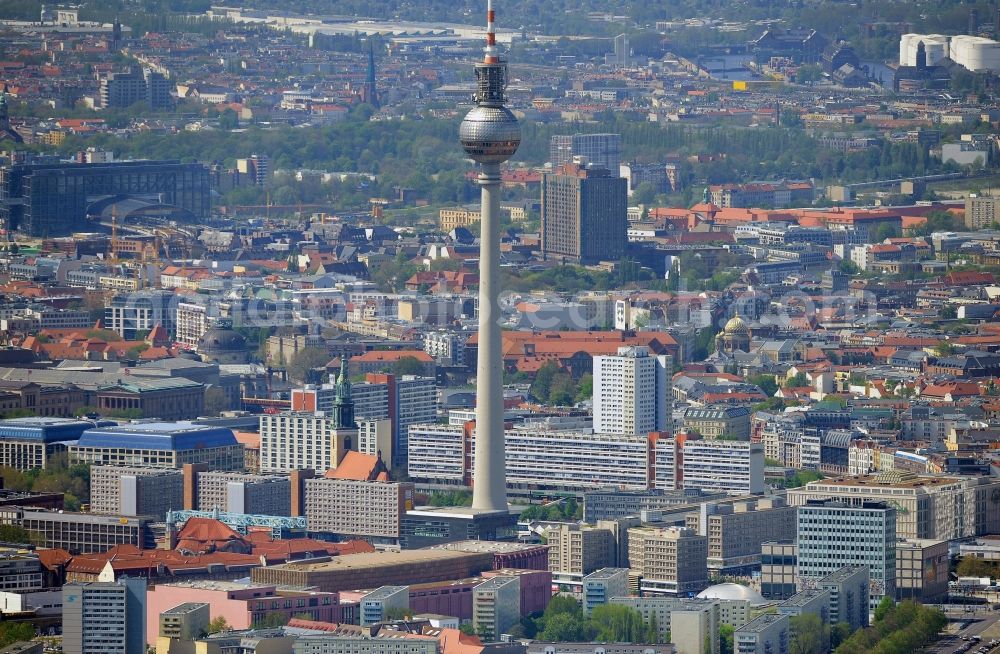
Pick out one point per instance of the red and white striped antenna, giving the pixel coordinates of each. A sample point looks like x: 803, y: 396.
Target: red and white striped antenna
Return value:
x: 491, y: 35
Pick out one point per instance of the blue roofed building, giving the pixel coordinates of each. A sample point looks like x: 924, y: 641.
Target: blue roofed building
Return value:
x: 30, y: 442
x: 159, y: 444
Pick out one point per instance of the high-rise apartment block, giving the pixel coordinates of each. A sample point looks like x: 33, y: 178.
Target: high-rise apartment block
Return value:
x: 295, y: 440
x: 237, y: 492
x: 765, y: 634
x: 496, y: 606
x: 602, y: 585
x: 671, y: 560
x: 577, y: 550
x: 833, y: 534
x: 133, y: 491
x: 404, y: 401
x: 849, y: 591
x: 104, y: 617
x: 377, y: 605
x: 981, y: 211
x: 733, y: 467
x: 366, y: 509
x: 600, y: 150
x: 126, y: 89
x: 131, y: 314
x: 631, y: 392
x: 584, y: 214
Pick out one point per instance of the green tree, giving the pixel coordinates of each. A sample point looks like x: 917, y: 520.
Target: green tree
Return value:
x: 585, y: 387
x: 948, y: 312
x: 563, y: 628
x: 271, y: 620
x: 217, y: 625
x: 726, y: 638
x: 13, y: 632
x: 767, y: 383
x: 885, y: 606
x: 839, y: 632
x: 808, y: 634
x: 15, y: 534
x: 408, y: 365
x: 306, y: 361
x: 798, y: 380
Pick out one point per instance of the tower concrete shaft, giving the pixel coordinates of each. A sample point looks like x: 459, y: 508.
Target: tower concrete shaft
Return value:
x: 489, y: 491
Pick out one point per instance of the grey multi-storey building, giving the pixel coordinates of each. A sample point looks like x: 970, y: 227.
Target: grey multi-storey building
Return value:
x: 832, y: 534
x: 105, y: 617
x: 237, y: 492
x: 601, y: 150
x: 736, y: 531
x: 584, y: 214
x: 126, y: 89
x: 135, y: 491
x: 373, y: 510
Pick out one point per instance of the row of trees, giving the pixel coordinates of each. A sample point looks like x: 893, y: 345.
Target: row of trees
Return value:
x: 564, y: 510
x: 898, y: 629
x: 563, y: 621
x: 552, y: 385
x: 57, y: 477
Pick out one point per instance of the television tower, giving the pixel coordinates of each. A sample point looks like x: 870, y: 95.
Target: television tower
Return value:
x: 490, y: 136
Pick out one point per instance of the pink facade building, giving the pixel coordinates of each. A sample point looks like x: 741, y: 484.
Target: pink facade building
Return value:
x: 240, y: 604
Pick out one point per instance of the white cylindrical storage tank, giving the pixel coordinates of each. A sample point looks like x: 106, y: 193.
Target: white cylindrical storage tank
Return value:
x: 905, y: 58
x: 936, y: 47
x: 976, y: 53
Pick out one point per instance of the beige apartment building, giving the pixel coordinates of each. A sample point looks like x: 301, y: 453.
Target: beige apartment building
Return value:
x: 673, y: 560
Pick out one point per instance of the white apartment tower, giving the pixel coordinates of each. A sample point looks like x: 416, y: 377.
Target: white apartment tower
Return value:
x: 631, y: 392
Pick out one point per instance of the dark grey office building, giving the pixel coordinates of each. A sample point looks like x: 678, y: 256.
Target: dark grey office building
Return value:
x: 584, y: 215
x: 49, y: 200
x: 599, y: 150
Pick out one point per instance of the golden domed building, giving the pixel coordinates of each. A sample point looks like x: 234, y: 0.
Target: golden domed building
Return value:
x: 734, y: 336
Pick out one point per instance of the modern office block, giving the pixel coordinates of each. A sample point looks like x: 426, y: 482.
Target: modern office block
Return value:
x: 935, y: 507
x: 601, y: 150
x: 46, y: 200
x: 159, y: 444
x: 631, y: 392
x: 377, y: 605
x: 602, y: 585
x: 766, y: 634
x: 672, y: 560
x: 832, y: 534
x: 922, y: 569
x: 731, y: 466
x: 496, y: 606
x: 28, y: 443
x: 778, y: 569
x: 584, y: 214
x: 104, y: 617
x: 135, y: 491
x: 736, y: 531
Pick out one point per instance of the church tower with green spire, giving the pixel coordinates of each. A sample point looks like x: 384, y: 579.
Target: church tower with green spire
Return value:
x: 343, y: 405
